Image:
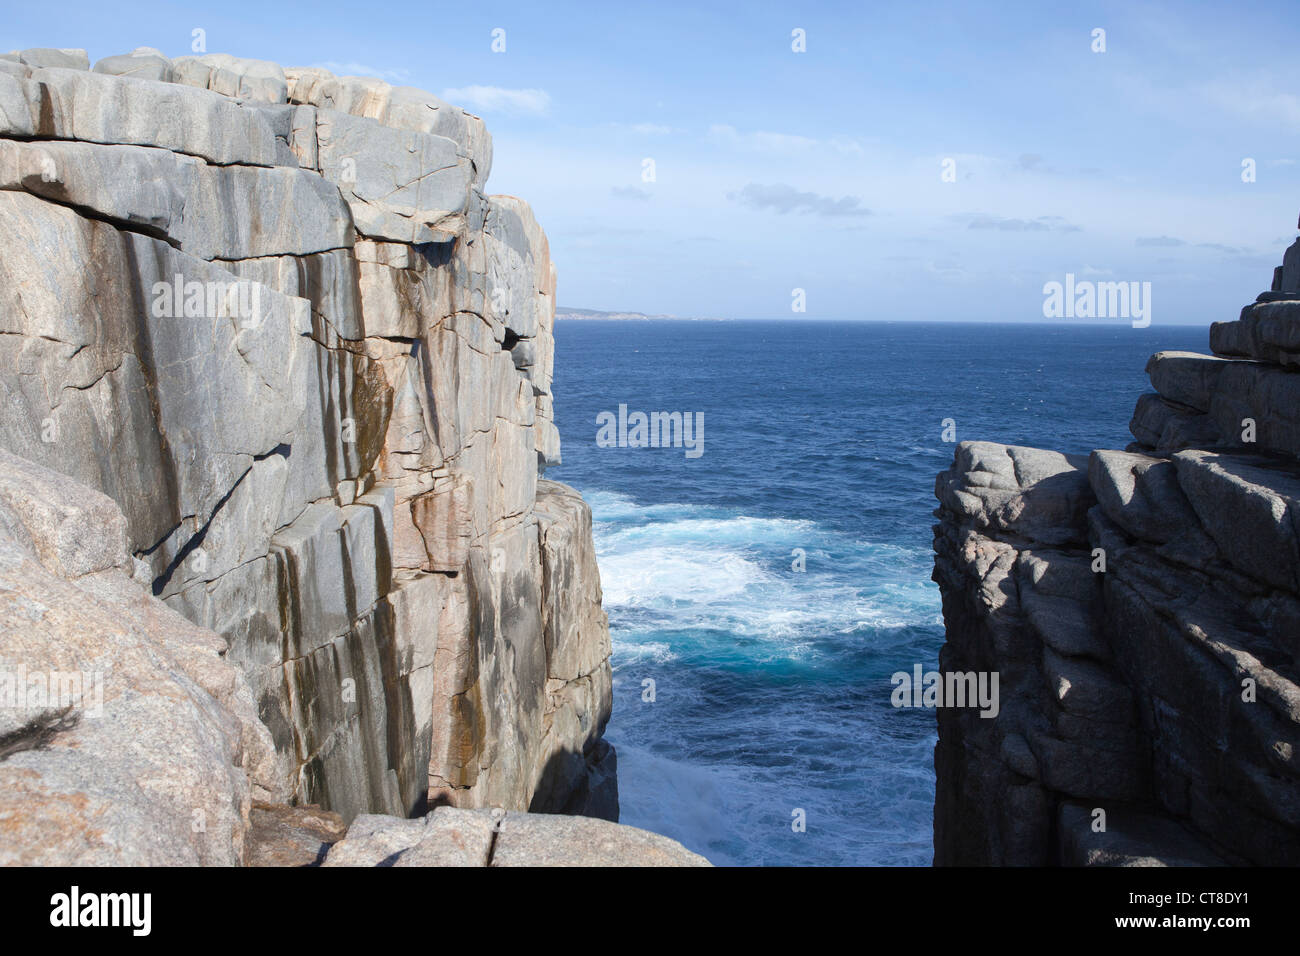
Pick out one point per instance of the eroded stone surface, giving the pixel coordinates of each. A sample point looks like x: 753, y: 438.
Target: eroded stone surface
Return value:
x: 1146, y: 634
x: 126, y: 738
x: 452, y: 837
x: 273, y: 317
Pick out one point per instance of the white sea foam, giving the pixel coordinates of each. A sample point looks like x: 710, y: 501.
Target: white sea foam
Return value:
x: 661, y: 576
x: 734, y: 573
x: 639, y: 652
x: 705, y: 602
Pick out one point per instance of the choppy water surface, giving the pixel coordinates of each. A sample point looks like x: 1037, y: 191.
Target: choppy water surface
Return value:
x: 771, y: 687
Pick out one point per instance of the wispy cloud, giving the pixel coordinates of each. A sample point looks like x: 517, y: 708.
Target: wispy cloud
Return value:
x: 352, y: 68
x: 764, y: 141
x: 759, y: 140
x: 946, y: 269
x: 849, y: 147
x: 980, y: 220
x: 497, y: 99
x: 1170, y: 242
x: 1034, y: 163
x: 784, y: 199
x: 630, y: 192
x: 1254, y: 98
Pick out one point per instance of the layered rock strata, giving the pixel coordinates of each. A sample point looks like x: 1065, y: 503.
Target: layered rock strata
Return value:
x: 273, y: 316
x: 1142, y: 609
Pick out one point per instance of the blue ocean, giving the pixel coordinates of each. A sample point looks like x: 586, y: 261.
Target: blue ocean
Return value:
x: 750, y: 695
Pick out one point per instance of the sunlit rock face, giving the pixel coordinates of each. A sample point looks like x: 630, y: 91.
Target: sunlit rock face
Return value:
x: 272, y: 315
x: 1142, y: 608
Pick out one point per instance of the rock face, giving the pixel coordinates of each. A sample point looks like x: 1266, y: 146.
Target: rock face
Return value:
x: 273, y: 317
x: 1142, y: 608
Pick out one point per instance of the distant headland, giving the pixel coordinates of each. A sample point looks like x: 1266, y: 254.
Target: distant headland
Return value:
x: 561, y: 312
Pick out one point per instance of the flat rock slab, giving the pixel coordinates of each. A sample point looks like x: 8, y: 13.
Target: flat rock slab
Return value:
x: 280, y: 835
x: 536, y: 839
x: 492, y: 837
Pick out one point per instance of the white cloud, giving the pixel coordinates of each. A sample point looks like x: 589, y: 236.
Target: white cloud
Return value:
x: 849, y: 147
x: 759, y: 140
x: 764, y: 141
x: 650, y: 129
x: 496, y: 99
x: 1255, y: 98
x: 982, y: 220
x: 783, y: 199
x: 352, y: 68
x: 629, y: 192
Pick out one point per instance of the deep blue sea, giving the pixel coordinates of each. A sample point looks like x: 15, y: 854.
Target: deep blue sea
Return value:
x: 771, y: 686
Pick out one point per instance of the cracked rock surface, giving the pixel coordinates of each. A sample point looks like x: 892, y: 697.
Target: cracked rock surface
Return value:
x: 492, y: 837
x: 1150, y: 703
x: 272, y: 319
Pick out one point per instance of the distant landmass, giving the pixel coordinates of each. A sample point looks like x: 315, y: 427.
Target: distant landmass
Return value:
x: 565, y: 313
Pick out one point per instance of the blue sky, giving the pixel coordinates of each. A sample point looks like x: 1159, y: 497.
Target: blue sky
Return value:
x: 821, y: 170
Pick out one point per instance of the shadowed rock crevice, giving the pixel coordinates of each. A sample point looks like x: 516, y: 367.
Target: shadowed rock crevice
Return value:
x: 38, y: 732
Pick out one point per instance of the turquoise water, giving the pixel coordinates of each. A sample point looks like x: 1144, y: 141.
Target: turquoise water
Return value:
x: 770, y: 685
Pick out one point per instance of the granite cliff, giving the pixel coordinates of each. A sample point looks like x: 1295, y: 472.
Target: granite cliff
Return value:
x: 275, y: 399
x: 1142, y: 608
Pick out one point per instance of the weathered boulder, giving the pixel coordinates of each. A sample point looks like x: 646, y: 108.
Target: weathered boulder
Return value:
x: 1251, y: 508
x: 1186, y: 377
x: 396, y: 107
x: 1268, y: 331
x: 256, y: 80
x: 144, y: 62
x: 1040, y: 495
x: 403, y: 186
x: 1249, y: 403
x: 1162, y: 426
x: 287, y: 836
x: 125, y: 737
x: 1141, y: 494
x: 40, y: 57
